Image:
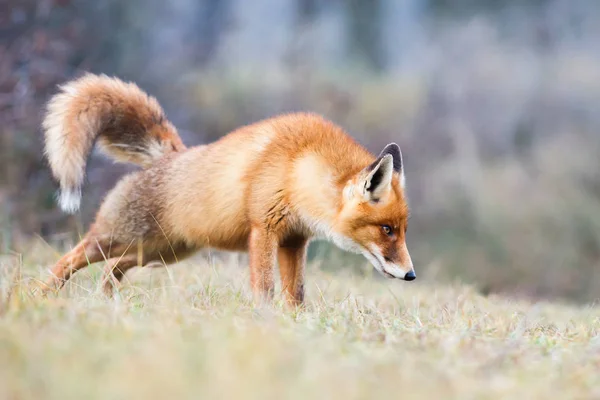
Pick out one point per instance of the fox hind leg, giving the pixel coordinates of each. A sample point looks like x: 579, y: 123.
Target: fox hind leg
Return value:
x: 115, y: 271
x: 79, y: 257
x: 150, y: 257
x: 88, y: 251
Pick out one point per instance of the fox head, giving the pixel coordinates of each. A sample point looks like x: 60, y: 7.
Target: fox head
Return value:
x: 374, y: 215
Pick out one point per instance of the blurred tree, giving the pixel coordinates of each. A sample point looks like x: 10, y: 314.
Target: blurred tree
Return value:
x: 307, y: 10
x: 469, y: 7
x: 212, y: 19
x: 364, y: 32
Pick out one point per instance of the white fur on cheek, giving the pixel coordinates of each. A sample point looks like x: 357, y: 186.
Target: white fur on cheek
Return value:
x: 345, y: 243
x: 374, y: 261
x: 324, y: 231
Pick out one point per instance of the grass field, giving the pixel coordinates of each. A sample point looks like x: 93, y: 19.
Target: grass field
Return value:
x: 192, y: 332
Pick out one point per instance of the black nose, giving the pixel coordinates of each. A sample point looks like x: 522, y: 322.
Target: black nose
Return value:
x: 410, y: 276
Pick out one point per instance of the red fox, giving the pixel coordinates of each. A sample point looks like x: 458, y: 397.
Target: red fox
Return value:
x: 267, y: 188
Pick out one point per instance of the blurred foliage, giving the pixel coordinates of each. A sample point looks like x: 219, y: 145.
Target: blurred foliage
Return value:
x: 493, y: 103
x: 463, y: 7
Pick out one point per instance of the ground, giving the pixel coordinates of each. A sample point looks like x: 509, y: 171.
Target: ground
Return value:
x: 190, y: 331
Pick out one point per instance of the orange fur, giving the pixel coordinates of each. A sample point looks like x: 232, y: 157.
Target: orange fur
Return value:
x: 267, y: 188
x: 127, y: 124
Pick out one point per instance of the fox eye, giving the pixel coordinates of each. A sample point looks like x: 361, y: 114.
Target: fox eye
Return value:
x: 387, y: 230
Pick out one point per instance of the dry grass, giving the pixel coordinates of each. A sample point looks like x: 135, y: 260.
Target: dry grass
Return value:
x: 191, y: 332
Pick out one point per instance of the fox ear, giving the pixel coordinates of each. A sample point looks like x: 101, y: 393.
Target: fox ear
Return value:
x: 378, y: 177
x: 394, y: 150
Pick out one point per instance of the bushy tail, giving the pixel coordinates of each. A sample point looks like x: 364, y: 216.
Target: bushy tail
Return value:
x: 128, y: 125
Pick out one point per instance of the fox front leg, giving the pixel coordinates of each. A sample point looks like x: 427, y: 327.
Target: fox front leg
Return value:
x: 262, y: 250
x: 292, y: 260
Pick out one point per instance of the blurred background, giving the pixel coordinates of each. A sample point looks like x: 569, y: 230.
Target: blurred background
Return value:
x: 494, y: 103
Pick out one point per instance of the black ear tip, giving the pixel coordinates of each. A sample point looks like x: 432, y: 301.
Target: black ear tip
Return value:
x: 394, y: 150
x: 393, y: 146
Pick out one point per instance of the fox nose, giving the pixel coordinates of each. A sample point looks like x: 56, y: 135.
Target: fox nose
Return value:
x: 410, y: 275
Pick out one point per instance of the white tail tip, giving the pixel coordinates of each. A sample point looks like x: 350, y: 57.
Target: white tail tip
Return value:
x: 70, y: 200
